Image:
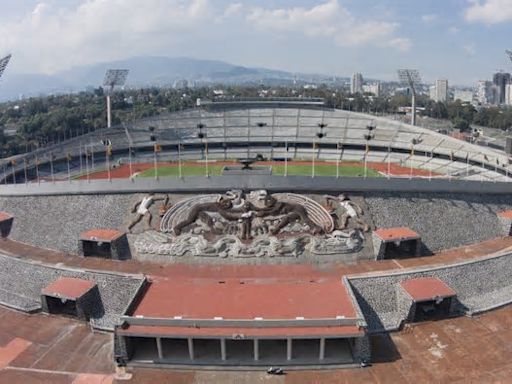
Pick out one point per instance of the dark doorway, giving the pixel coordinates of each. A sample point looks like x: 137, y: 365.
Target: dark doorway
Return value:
x: 59, y: 306
x: 241, y: 350
x: 401, y: 249
x: 97, y: 248
x: 432, y: 310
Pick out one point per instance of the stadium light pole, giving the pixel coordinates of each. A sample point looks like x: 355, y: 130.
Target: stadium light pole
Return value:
x: 411, y: 78
x: 509, y: 53
x: 113, y: 77
x: 286, y: 159
x: 3, y: 63
x: 204, y: 139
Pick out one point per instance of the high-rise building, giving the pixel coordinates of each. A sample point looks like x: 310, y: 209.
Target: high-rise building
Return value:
x: 508, y: 94
x: 356, y: 85
x: 442, y: 90
x: 484, y: 92
x: 432, y: 92
x: 500, y: 81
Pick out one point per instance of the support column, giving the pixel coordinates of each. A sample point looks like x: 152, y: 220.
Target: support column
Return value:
x: 223, y: 349
x: 159, y: 348
x: 322, y: 348
x: 289, y: 349
x: 190, y: 348
x: 256, y: 349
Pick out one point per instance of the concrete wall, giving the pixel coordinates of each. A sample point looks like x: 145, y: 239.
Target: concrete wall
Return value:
x: 299, y: 184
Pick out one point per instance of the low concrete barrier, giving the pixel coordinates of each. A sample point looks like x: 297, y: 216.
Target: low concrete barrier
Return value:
x: 213, y: 184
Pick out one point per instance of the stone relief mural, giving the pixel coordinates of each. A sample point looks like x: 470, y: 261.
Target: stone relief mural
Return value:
x: 256, y: 224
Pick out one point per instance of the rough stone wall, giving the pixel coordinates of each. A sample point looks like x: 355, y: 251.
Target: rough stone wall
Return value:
x: 404, y: 303
x: 480, y: 285
x: 506, y: 225
x: 442, y: 220
x: 122, y: 349
x: 90, y: 305
x: 23, y: 281
x: 378, y: 247
x: 55, y: 222
x: 362, y: 349
x: 121, y: 249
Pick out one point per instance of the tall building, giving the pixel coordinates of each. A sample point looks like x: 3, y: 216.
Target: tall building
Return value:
x: 508, y: 94
x: 442, y: 90
x: 356, y: 85
x: 484, y: 92
x: 432, y: 92
x: 500, y: 81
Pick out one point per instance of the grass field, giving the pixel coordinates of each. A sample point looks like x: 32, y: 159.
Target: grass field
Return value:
x: 305, y: 170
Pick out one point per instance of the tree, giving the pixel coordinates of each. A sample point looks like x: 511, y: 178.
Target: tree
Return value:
x: 461, y: 124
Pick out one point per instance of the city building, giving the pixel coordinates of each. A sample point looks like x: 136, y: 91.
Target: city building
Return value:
x: 356, y: 85
x: 441, y: 90
x: 508, y: 94
x: 373, y: 88
x: 181, y: 84
x: 432, y: 92
x: 484, y: 92
x: 500, y: 81
x: 465, y: 96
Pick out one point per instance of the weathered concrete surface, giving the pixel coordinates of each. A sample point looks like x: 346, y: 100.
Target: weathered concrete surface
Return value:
x: 458, y: 350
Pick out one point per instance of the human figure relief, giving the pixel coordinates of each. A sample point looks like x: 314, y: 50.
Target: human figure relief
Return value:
x: 164, y: 207
x: 352, y: 212
x: 141, y: 209
x: 292, y: 212
x: 202, y: 212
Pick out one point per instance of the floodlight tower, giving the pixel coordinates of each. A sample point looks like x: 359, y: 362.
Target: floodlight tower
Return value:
x: 509, y: 53
x: 3, y: 63
x: 411, y: 78
x: 113, y: 77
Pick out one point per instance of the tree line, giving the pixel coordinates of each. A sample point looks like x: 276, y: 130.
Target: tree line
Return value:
x: 41, y: 121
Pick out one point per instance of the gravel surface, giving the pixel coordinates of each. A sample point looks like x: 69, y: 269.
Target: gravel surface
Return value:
x: 480, y: 285
x: 55, y: 222
x: 26, y: 280
x: 442, y: 220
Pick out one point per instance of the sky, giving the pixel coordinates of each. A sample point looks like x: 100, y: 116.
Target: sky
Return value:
x: 461, y: 40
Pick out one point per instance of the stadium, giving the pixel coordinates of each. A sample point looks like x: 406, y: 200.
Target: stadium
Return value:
x: 250, y: 233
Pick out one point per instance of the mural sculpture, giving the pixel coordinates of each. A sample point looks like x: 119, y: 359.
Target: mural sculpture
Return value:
x: 256, y: 224
x: 141, y: 209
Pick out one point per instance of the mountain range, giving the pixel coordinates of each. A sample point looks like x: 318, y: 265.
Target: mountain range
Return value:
x: 146, y: 71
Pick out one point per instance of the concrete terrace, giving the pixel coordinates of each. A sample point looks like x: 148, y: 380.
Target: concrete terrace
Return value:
x: 37, y: 349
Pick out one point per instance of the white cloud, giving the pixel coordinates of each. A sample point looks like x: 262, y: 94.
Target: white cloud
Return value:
x: 429, y: 19
x: 328, y: 20
x: 400, y: 43
x: 489, y: 11
x: 469, y: 49
x: 49, y: 39
x: 233, y: 9
x: 453, y: 30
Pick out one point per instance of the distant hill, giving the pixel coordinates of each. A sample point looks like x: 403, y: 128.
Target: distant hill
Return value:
x: 144, y: 71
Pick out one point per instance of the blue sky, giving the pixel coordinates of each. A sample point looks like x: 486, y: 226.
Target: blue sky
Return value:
x: 462, y: 40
